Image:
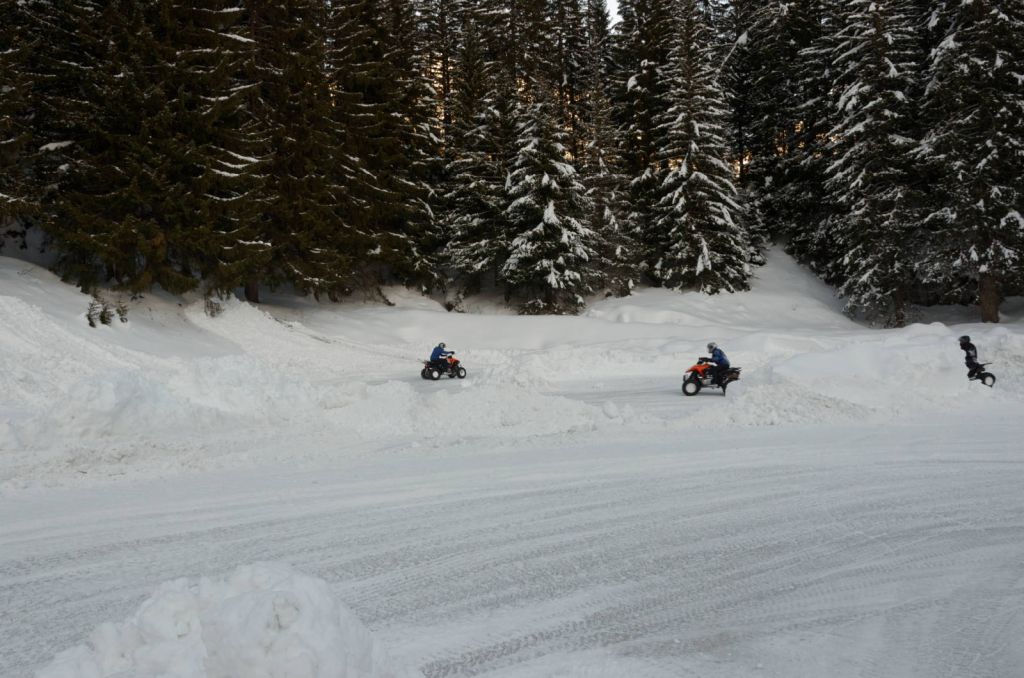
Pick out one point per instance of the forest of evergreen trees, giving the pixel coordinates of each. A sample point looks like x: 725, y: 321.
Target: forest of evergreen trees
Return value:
x: 525, y: 147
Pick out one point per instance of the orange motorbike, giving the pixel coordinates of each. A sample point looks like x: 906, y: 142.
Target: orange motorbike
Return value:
x: 701, y: 376
x: 449, y: 366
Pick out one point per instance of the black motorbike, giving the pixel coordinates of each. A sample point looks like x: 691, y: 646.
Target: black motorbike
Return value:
x: 984, y: 377
x: 450, y: 367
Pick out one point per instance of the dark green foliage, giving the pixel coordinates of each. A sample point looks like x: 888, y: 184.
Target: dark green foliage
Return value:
x: 694, y: 240
x: 15, y: 122
x: 974, y: 108
x: 871, y: 178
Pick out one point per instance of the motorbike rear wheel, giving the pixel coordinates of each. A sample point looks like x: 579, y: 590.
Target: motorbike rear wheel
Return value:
x: 423, y: 373
x: 987, y: 378
x: 435, y: 374
x: 691, y: 387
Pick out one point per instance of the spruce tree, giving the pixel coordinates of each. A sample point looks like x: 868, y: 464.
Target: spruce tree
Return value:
x: 15, y: 117
x: 477, y: 234
x: 396, y: 138
x: 124, y: 210
x: 871, y: 180
x: 547, y: 269
x: 602, y: 166
x: 292, y: 103
x: 695, y: 240
x: 214, y: 55
x: 641, y: 96
x: 974, y: 106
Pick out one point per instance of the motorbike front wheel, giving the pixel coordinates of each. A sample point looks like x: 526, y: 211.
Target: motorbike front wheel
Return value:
x: 987, y: 378
x: 423, y: 373
x: 461, y: 374
x: 691, y: 387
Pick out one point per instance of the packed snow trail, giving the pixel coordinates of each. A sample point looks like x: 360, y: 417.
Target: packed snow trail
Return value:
x: 807, y: 551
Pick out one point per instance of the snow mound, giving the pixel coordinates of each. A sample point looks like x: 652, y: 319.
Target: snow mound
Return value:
x: 262, y: 621
x: 197, y: 395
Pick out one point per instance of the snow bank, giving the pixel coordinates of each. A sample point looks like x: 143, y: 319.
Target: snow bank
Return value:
x: 262, y: 621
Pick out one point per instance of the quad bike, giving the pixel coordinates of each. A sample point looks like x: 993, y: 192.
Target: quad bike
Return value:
x: 449, y: 366
x: 981, y: 375
x: 701, y: 376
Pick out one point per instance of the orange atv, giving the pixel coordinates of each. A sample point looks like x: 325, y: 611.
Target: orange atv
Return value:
x: 701, y: 376
x: 450, y: 366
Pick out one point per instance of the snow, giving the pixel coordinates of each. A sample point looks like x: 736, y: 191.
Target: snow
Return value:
x: 851, y: 507
x: 261, y: 621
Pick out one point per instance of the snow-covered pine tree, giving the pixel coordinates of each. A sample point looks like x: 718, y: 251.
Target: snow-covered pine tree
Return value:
x: 762, y: 75
x: 548, y: 267
x: 292, y: 102
x: 641, y: 97
x: 694, y: 240
x: 442, y: 35
x: 602, y: 166
x: 799, y: 206
x: 568, y: 38
x: 15, y: 116
x: 974, y: 106
x: 123, y: 209
x: 871, y: 179
x: 217, y: 113
x: 397, y: 132
x: 477, y: 233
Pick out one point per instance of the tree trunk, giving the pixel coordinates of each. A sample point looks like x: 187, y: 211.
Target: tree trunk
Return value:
x: 252, y: 291
x: 989, y: 297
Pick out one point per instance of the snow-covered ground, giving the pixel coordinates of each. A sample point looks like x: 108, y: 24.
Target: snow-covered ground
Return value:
x: 853, y: 507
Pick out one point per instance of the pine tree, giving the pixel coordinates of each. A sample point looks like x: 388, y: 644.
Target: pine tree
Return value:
x: 695, y: 241
x: 603, y: 169
x: 292, y: 103
x: 641, y: 96
x: 477, y: 236
x: 799, y: 206
x: 974, y: 105
x: 871, y: 179
x: 397, y: 132
x: 547, y: 267
x: 15, y: 116
x: 214, y: 55
x: 123, y: 210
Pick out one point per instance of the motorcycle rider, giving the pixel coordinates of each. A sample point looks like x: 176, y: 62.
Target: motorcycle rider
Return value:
x: 438, y: 357
x: 970, y: 357
x: 721, y: 362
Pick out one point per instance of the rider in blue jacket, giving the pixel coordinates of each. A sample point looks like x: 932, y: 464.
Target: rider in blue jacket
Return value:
x: 721, y: 361
x: 438, y: 355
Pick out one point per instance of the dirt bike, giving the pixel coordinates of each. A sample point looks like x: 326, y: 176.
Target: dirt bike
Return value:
x: 701, y: 376
x: 449, y: 366
x: 984, y: 377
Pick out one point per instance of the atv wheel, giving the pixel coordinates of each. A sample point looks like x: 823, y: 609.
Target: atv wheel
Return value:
x: 691, y: 387
x: 461, y: 373
x: 423, y: 373
x: 987, y: 378
x: 435, y: 375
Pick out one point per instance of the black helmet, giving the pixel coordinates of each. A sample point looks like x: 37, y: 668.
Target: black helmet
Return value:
x: 441, y: 345
x: 712, y: 346
x: 965, y: 339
